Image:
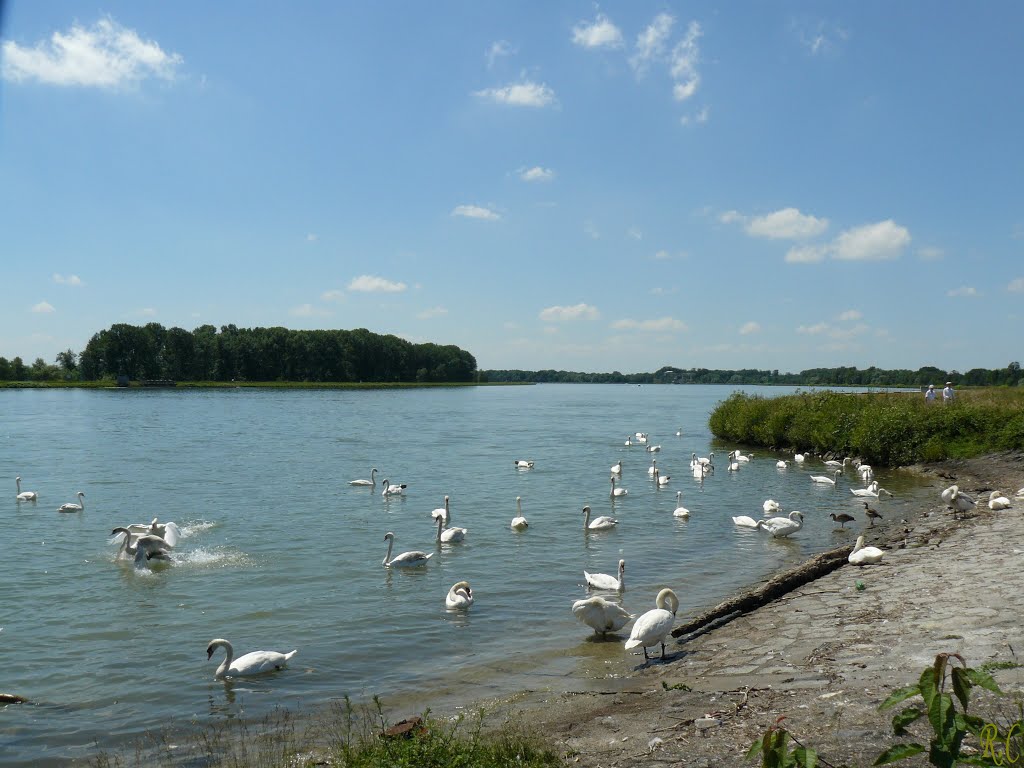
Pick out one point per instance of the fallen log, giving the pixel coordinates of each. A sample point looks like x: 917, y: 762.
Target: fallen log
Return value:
x: 774, y: 588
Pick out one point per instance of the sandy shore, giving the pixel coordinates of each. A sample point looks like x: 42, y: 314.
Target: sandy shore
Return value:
x: 826, y: 655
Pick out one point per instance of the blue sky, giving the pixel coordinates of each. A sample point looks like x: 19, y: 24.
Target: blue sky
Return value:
x: 579, y: 186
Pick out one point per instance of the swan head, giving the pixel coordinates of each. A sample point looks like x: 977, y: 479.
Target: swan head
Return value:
x: 667, y: 600
x: 622, y: 567
x: 215, y: 644
x: 389, y: 535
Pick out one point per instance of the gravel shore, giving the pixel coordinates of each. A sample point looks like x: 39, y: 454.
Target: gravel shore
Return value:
x: 826, y: 655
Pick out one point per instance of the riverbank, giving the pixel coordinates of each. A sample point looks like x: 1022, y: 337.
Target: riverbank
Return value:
x: 826, y: 655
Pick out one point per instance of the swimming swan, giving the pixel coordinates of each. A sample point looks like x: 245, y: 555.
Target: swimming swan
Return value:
x: 617, y: 467
x: 371, y: 482
x: 141, y: 547
x: 169, y: 532
x: 862, y: 555
x: 652, y: 627
x: 780, y: 527
x: 604, y: 581
x: 782, y: 464
x: 406, y: 559
x: 447, y: 535
x: 841, y: 464
x: 24, y: 495
x: 798, y: 458
x: 771, y: 506
x: 653, y: 468
x: 254, y: 663
x: 870, y: 490
x: 617, y: 491
x: 519, y: 522
x: 745, y: 521
x: 392, y: 490
x: 827, y: 480
x: 459, y: 596
x: 740, y: 457
x: 602, y: 615
x: 680, y: 510
x: 523, y: 464
x: 662, y: 481
x: 602, y: 523
x: 74, y: 507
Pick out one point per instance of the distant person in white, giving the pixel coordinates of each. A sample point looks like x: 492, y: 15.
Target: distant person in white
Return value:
x: 947, y: 394
x: 929, y: 395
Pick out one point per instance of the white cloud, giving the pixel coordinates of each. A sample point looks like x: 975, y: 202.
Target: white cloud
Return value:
x: 635, y: 233
x: 650, y: 44
x: 575, y: 312
x: 498, y: 49
x: 660, y: 325
x: 536, y: 174
x: 311, y: 238
x: 813, y: 330
x: 929, y: 253
x: 683, y: 63
x: 786, y: 224
x: 105, y: 55
x: 1016, y: 285
x: 731, y: 217
x: 965, y: 291
x: 750, y: 327
x: 372, y: 284
x: 525, y: 94
x: 475, y: 212
x: 43, y: 307
x: 700, y: 117
x: 68, y: 280
x: 821, y: 38
x: 850, y: 314
x: 806, y: 254
x: 433, y: 312
x: 871, y: 242
x: 601, y: 33
x: 333, y: 295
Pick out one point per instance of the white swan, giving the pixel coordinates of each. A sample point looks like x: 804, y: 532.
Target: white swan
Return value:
x: 781, y: 464
x: 862, y: 555
x: 680, y: 510
x: 602, y: 523
x: 771, y: 506
x: 447, y: 535
x: 961, y: 502
x: 24, y: 495
x: 709, y: 459
x: 740, y: 457
x: 661, y: 480
x: 745, y: 521
x: 652, y: 627
x: 254, y: 663
x: 629, y: 441
x: 653, y: 468
x: 617, y: 491
x: 798, y: 458
x: 653, y: 448
x: 841, y: 464
x: 679, y: 432
x: 392, y: 490
x: 406, y: 559
x: 602, y: 615
x: 617, y: 467
x: 371, y: 482
x: 141, y: 547
x: 733, y: 465
x: 604, y: 581
x: 459, y: 596
x: 870, y: 490
x: 780, y: 527
x: 996, y: 500
x: 69, y: 507
x: 519, y: 522
x: 827, y: 480
x: 523, y: 464
x: 169, y: 532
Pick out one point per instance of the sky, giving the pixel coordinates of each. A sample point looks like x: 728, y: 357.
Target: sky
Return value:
x: 591, y: 187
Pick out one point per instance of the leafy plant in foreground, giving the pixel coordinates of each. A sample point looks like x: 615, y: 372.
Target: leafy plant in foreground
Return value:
x: 773, y: 747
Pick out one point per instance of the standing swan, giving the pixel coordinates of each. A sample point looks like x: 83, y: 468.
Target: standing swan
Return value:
x: 652, y: 627
x: 24, y: 495
x: 69, y: 507
x: 447, y: 535
x: 862, y: 555
x: 602, y: 615
x: 254, y: 663
x: 602, y: 523
x: 406, y: 559
x: 459, y: 596
x: 680, y: 510
x: 604, y: 581
x: 519, y: 522
x: 371, y: 482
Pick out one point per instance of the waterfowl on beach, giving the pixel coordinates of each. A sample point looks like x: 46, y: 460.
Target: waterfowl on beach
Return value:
x: 24, y: 495
x: 444, y: 534
x: 371, y: 482
x: 617, y: 491
x: 996, y: 500
x: 842, y: 518
x: 253, y: 663
x: 827, y: 480
x: 601, y: 615
x: 604, y: 581
x: 872, y: 514
x: 410, y: 559
x: 780, y: 527
x: 956, y: 500
x: 519, y: 522
x: 862, y: 555
x: 71, y: 507
x: 680, y: 510
x: 523, y: 464
x: 653, y: 626
x: 459, y: 596
x: 602, y: 523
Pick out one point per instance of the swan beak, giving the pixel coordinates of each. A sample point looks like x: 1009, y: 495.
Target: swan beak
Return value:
x: 209, y: 653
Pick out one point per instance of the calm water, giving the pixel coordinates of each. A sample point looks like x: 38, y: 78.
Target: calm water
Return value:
x: 281, y: 553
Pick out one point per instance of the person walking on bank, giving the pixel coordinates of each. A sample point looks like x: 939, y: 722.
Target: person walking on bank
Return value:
x: 929, y: 394
x: 947, y: 394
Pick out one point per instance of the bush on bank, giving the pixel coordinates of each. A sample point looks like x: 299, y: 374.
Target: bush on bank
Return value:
x: 887, y: 429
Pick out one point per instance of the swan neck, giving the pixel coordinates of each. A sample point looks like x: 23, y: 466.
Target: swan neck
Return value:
x: 391, y: 541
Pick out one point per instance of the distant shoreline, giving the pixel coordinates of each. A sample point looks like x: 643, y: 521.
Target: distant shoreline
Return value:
x: 135, y: 385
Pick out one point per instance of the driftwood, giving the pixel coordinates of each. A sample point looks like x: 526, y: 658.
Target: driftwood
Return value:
x: 774, y: 588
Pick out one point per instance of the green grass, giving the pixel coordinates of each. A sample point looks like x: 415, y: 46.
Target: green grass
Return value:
x: 887, y: 429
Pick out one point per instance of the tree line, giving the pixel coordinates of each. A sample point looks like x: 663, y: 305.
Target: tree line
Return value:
x: 249, y: 354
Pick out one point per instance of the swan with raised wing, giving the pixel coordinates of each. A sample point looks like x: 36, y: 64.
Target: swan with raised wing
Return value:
x: 406, y: 559
x: 371, y: 482
x: 71, y: 507
x: 24, y: 495
x: 253, y: 663
x: 459, y: 596
x: 602, y: 523
x: 604, y: 581
x: 519, y: 522
x: 780, y: 527
x: 653, y: 626
x: 827, y: 480
x: 447, y: 535
x: 169, y: 532
x: 862, y: 555
x: 141, y: 547
x: 680, y: 510
x: 602, y: 615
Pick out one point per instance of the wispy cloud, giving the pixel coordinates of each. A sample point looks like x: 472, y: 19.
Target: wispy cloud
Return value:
x: 475, y: 212
x: 930, y: 253
x: 333, y: 295
x: 1016, y: 285
x: 784, y: 224
x: 105, y: 55
x: 43, y: 307
x: 428, y: 314
x: 308, y: 310
x: 524, y: 94
x: 807, y: 254
x: 833, y: 331
x: 499, y: 49
x: 820, y: 37
x: 650, y: 44
x: 750, y: 327
x: 699, y: 117
x: 562, y: 314
x: 850, y: 315
x: 68, y: 280
x: 659, y: 325
x: 537, y: 173
x: 372, y: 284
x: 683, y: 63
x: 599, y: 33
x: 312, y: 237
x: 964, y: 291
